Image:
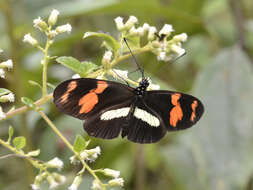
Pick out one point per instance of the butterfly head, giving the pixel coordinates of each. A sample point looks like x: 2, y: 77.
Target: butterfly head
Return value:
x: 140, y: 90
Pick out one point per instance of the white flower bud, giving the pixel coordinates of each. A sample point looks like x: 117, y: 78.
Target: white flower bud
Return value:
x: 7, y: 98
x: 29, y: 39
x: 145, y: 27
x: 116, y: 182
x: 1, y: 51
x: 131, y: 21
x: 161, y: 56
x: 40, y: 24
x: 140, y: 31
x: 2, y: 114
x: 64, y: 28
x: 76, y: 76
x: 119, y: 23
x: 59, y: 178
x: 35, y: 187
x: 93, y: 153
x: 76, y: 183
x: 151, y: 33
x: 53, y: 17
x: 96, y: 185
x: 7, y: 64
x: 112, y: 173
x: 52, y: 183
x: 177, y: 49
x: 52, y: 34
x: 2, y: 73
x: 166, y: 30
x: 55, y: 163
x: 180, y: 37
x: 107, y: 57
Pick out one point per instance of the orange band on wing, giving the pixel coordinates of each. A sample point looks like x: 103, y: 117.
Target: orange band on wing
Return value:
x: 194, y: 106
x: 176, y: 112
x: 88, y: 101
x: 71, y: 86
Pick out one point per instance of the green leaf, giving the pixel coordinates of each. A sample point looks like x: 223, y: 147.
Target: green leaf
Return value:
x: 109, y: 41
x: 82, y: 68
x: 11, y: 131
x: 19, y: 142
x: 79, y: 144
x: 33, y: 83
x: 28, y: 102
x: 4, y: 91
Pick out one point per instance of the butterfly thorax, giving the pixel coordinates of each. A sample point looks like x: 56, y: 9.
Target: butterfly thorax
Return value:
x: 141, y: 89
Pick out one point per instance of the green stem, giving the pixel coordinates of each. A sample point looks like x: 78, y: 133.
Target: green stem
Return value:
x: 44, y: 72
x: 51, y: 124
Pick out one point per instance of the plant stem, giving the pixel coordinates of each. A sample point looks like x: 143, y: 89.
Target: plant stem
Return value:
x: 44, y: 72
x: 51, y: 124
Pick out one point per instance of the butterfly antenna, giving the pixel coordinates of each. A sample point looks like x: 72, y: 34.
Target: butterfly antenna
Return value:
x: 135, y: 60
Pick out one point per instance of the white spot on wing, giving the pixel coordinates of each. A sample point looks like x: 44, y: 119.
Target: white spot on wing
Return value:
x: 112, y: 114
x: 146, y: 117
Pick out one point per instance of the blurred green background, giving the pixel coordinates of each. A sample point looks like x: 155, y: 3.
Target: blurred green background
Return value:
x: 215, y: 154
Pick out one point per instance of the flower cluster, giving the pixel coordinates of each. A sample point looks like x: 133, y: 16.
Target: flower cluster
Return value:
x: 5, y: 94
x: 46, y: 27
x: 163, y: 45
x: 54, y: 179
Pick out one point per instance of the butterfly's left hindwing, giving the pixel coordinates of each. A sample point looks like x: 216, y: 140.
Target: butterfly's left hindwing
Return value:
x: 178, y: 111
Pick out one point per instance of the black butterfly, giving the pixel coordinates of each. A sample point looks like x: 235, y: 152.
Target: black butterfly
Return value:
x: 109, y: 108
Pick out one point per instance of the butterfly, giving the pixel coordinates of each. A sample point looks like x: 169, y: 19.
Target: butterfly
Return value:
x: 110, y: 108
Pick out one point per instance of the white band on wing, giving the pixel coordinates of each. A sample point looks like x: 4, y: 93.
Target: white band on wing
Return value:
x: 146, y: 117
x: 112, y: 114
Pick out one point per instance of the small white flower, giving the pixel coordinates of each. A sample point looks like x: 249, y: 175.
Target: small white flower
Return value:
x: 180, y: 37
x: 64, y: 28
x: 1, y: 51
x: 76, y: 183
x: 2, y: 114
x: 119, y: 23
x: 7, y: 98
x: 52, y: 183
x: 8, y: 64
x: 131, y: 21
x: 2, y: 74
x: 93, y: 153
x: 112, y: 173
x: 140, y: 31
x: 76, y: 76
x: 145, y: 27
x: 53, y: 17
x: 35, y: 187
x: 59, y: 178
x: 167, y: 29
x: 40, y: 24
x: 107, y: 57
x: 84, y: 155
x: 133, y: 31
x: 55, y: 163
x: 52, y: 33
x: 151, y: 32
x: 177, y: 49
x: 161, y: 56
x: 116, y: 182
x: 29, y: 39
x: 120, y: 74
x: 74, y: 160
x: 95, y: 185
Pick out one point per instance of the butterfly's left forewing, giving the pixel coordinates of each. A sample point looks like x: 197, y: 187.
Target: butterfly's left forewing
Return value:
x: 88, y: 99
x: 178, y: 110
